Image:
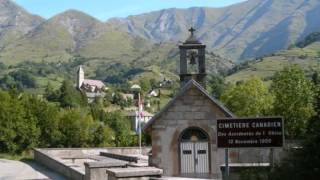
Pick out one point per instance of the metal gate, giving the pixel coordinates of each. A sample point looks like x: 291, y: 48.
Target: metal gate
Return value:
x: 194, y: 157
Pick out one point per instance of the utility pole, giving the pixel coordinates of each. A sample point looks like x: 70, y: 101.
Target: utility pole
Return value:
x: 139, y: 123
x: 226, y: 164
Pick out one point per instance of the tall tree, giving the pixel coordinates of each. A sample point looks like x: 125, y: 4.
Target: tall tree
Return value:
x: 304, y: 163
x: 47, y: 118
x: 18, y: 127
x: 77, y: 128
x: 104, y: 136
x: 121, y: 126
x: 250, y: 98
x: 294, y: 97
x: 216, y: 85
x: 70, y: 96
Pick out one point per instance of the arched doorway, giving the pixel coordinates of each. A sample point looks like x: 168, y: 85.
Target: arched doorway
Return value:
x: 194, y: 151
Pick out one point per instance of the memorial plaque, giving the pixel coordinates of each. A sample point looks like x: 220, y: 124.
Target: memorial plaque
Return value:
x: 250, y: 132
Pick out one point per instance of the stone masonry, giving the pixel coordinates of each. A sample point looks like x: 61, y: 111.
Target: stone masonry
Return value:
x: 192, y: 108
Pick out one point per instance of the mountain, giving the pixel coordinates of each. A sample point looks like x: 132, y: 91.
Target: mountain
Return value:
x: 242, y: 31
x: 75, y: 34
x: 15, y: 22
x: 146, y: 45
x: 308, y: 58
x: 311, y: 38
x: 166, y: 56
x: 68, y: 34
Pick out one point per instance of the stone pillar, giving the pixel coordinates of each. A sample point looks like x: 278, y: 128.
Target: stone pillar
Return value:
x: 183, y: 61
x: 202, y: 59
x: 183, y: 66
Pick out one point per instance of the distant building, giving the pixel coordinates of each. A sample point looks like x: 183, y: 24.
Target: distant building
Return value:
x: 166, y: 83
x: 134, y: 117
x: 127, y: 97
x: 153, y: 93
x: 92, y: 88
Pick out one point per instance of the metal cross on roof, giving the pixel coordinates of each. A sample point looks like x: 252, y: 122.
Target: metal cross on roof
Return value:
x: 192, y: 30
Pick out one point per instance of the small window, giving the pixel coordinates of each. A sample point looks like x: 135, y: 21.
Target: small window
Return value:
x: 202, y: 152
x: 187, y: 152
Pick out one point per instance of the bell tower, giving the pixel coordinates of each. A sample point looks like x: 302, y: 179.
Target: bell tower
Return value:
x: 192, y: 60
x: 80, y: 76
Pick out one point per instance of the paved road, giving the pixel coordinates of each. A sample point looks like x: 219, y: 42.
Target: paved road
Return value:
x: 17, y: 170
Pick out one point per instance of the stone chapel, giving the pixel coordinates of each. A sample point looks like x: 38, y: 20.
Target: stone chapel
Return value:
x: 183, y: 133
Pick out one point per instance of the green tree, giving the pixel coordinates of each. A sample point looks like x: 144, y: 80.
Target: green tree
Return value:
x: 18, y: 128
x: 8, y: 82
x: 316, y: 81
x: 77, y: 128
x: 97, y: 111
x: 145, y: 84
x: 121, y: 126
x: 294, y: 97
x: 70, y: 96
x: 50, y: 94
x: 104, y: 136
x: 118, y: 99
x: 153, y: 83
x: 47, y: 118
x: 250, y: 98
x: 107, y: 100
x: 216, y: 85
x: 2, y: 66
x: 304, y: 163
x: 24, y: 78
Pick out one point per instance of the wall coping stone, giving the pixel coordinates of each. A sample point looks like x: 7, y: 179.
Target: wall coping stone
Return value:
x: 134, y: 172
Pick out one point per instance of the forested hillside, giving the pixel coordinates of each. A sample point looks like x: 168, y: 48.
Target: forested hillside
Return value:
x: 308, y: 58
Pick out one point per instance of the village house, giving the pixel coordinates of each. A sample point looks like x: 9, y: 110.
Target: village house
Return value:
x: 133, y: 116
x: 92, y: 88
x: 153, y: 93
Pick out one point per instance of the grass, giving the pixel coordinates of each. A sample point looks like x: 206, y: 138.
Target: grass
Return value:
x: 55, y: 81
x: 307, y: 58
x: 24, y: 156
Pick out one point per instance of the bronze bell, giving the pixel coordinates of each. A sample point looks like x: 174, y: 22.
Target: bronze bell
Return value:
x: 193, y: 57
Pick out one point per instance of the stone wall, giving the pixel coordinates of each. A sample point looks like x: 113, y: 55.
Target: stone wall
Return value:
x: 193, y: 109
x: 69, y: 152
x: 134, y: 173
x: 54, y: 164
x: 55, y: 159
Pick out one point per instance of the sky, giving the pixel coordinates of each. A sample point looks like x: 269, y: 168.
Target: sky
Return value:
x: 105, y: 9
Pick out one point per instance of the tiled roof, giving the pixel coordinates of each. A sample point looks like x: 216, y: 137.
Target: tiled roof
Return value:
x: 99, y: 84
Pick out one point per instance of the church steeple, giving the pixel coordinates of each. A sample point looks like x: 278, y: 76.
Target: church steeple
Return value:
x: 80, y: 76
x: 194, y: 51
